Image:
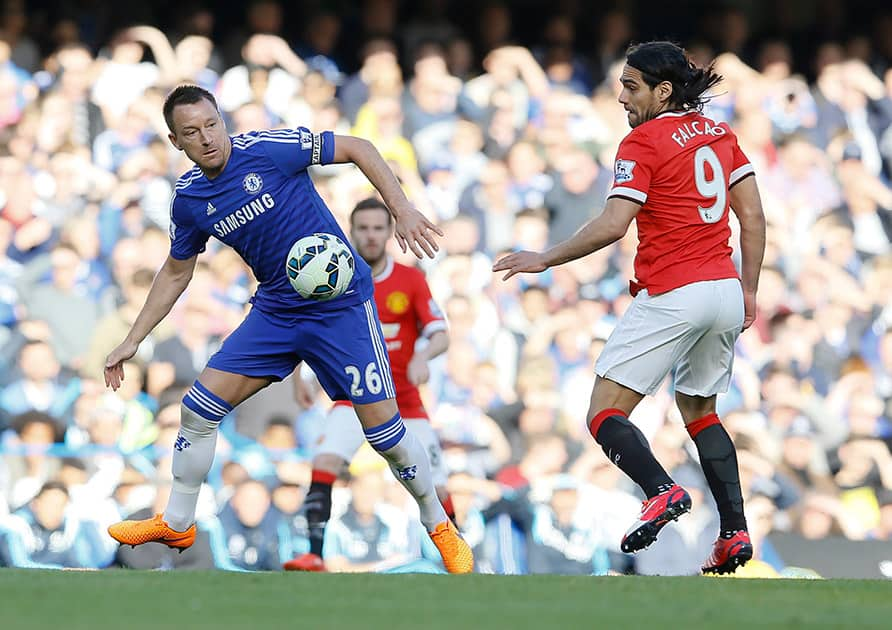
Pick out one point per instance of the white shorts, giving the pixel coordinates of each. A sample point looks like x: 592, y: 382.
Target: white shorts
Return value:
x: 343, y: 435
x: 691, y: 329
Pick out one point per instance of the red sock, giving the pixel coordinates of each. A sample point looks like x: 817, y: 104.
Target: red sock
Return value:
x: 596, y: 422
x: 701, y: 423
x: 448, y: 507
x: 323, y: 476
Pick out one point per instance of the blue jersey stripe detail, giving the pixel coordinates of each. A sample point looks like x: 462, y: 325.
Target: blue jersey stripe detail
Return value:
x: 380, y: 352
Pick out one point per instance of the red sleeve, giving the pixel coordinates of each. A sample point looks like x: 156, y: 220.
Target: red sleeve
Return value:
x: 633, y: 169
x: 430, y: 317
x: 740, y: 164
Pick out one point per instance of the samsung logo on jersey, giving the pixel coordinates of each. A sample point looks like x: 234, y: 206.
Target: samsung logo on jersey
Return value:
x: 688, y: 130
x: 244, y: 214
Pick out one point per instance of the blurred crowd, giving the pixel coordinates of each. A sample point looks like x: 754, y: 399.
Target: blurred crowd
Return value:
x: 505, y: 146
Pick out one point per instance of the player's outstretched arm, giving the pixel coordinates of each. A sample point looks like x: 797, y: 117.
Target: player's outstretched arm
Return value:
x: 747, y: 205
x: 610, y: 226
x: 412, y: 228
x: 170, y: 282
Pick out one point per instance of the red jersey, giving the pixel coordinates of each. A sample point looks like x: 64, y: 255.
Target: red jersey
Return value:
x: 680, y: 167
x: 407, y: 311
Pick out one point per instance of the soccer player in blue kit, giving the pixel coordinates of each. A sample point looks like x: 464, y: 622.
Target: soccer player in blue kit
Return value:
x: 252, y: 192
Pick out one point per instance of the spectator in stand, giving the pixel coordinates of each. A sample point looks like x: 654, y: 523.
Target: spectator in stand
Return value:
x: 367, y: 536
x: 41, y: 387
x: 67, y: 312
x: 42, y: 535
x: 251, y: 528
x: 564, y: 541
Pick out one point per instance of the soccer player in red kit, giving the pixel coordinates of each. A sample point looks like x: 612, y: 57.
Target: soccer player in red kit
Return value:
x: 407, y: 312
x: 676, y: 173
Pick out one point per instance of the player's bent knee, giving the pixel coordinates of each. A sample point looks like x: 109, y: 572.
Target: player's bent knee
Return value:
x: 693, y: 407
x: 201, y: 410
x: 374, y: 414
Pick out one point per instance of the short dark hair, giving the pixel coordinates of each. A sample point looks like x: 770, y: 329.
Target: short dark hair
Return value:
x: 279, y: 421
x: 665, y: 61
x: 20, y: 422
x: 185, y: 94
x: 52, y: 485
x: 372, y: 203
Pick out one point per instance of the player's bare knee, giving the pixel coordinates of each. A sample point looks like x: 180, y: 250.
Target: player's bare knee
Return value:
x: 694, y: 407
x: 377, y: 413
x: 608, y: 394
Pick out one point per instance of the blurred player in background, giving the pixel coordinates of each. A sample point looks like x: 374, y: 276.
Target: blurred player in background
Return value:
x: 253, y: 193
x: 676, y: 173
x: 408, y: 312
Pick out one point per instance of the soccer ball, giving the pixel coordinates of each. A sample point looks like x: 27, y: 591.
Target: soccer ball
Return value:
x: 320, y: 266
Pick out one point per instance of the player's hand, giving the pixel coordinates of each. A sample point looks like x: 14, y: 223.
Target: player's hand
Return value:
x: 415, y: 232
x: 303, y: 392
x: 114, y: 364
x: 520, y: 262
x: 749, y: 309
x: 418, y: 372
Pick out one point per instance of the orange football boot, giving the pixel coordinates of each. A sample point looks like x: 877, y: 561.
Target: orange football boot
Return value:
x: 457, y: 555
x: 305, y: 562
x: 152, y: 530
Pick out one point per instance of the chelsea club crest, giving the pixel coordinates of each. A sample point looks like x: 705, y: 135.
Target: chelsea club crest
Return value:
x: 252, y: 183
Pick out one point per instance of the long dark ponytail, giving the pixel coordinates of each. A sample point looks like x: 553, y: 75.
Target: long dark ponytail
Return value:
x: 665, y: 61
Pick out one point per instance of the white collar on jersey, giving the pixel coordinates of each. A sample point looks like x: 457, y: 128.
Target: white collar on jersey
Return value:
x: 675, y: 114
x: 385, y: 273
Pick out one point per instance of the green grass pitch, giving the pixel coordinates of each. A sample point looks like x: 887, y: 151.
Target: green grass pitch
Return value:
x: 70, y: 600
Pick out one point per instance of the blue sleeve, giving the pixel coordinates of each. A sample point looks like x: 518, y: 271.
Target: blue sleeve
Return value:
x: 293, y: 150
x: 186, y: 239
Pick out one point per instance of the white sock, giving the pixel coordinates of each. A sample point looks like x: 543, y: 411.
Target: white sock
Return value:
x: 409, y: 462
x: 193, y: 454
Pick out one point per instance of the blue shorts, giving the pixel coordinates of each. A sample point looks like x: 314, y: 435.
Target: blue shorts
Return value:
x: 345, y: 347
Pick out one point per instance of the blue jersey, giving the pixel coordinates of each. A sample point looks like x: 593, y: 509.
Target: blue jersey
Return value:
x: 260, y: 204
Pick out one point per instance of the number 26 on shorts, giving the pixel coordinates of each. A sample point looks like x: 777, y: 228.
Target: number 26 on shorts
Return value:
x: 372, y: 379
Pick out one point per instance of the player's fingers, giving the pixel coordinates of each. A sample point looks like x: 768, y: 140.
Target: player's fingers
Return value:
x: 422, y: 242
x: 414, y: 247
x: 434, y: 228
x: 512, y: 272
x: 401, y: 241
x: 502, y: 264
x: 432, y: 242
